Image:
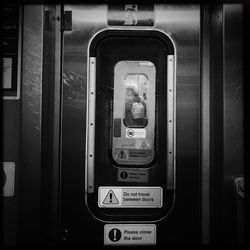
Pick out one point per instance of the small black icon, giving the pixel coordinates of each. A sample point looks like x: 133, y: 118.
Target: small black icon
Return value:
x: 121, y: 155
x: 124, y: 175
x: 115, y: 235
x: 130, y: 133
x: 110, y: 198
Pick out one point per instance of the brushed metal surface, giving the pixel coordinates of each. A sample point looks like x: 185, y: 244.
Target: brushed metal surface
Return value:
x: 30, y: 171
x: 131, y: 14
x: 233, y: 90
x: 233, y: 124
x: 182, y: 23
x: 205, y: 125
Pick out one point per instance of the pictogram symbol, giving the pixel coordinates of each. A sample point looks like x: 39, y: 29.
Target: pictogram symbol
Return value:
x: 124, y: 175
x: 115, y: 234
x: 130, y: 133
x: 110, y: 198
x: 144, y: 146
x: 121, y: 155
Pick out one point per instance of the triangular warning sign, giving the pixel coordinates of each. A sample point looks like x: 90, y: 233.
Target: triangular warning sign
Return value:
x: 121, y: 155
x: 144, y: 146
x: 110, y: 198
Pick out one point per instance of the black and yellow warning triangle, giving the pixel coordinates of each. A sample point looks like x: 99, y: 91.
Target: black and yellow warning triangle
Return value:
x: 110, y: 198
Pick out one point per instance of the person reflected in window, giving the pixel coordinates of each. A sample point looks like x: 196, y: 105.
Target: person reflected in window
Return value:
x: 136, y: 113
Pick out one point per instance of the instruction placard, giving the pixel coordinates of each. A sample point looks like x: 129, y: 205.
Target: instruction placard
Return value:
x: 130, y: 234
x: 115, y: 197
x: 125, y: 154
x: 132, y: 175
x: 136, y: 133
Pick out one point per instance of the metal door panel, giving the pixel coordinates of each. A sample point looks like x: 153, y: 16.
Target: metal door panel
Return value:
x: 182, y: 24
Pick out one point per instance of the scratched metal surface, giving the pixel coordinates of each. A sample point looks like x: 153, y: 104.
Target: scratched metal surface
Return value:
x: 30, y: 172
x: 182, y: 23
x: 233, y: 122
x: 233, y: 95
x: 87, y: 20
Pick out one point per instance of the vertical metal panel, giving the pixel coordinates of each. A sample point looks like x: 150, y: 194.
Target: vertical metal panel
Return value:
x: 11, y: 153
x: 182, y: 23
x: 86, y: 21
x: 205, y: 123
x: 51, y: 124
x: 216, y: 123
x: 30, y: 169
x: 10, y: 138
x: 57, y: 122
x: 233, y: 119
x: 233, y: 91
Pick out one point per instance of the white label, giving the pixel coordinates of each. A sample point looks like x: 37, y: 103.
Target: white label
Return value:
x: 7, y: 72
x: 135, y: 133
x: 130, y: 234
x: 130, y: 197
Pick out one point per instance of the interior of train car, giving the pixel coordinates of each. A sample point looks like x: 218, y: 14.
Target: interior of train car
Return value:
x: 123, y: 124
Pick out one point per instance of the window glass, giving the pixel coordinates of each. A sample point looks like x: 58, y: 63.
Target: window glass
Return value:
x: 135, y: 100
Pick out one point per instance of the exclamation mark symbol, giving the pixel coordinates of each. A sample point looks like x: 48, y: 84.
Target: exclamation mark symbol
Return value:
x: 110, y: 197
x: 115, y: 234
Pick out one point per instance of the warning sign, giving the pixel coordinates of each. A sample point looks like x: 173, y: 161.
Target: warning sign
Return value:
x: 121, y: 155
x: 150, y: 197
x: 110, y: 198
x: 114, y: 234
x: 132, y: 175
x: 139, y: 154
x: 126, y: 154
x: 129, y: 234
x: 143, y: 146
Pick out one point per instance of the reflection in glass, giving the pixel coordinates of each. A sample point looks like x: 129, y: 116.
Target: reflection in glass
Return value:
x: 136, y: 100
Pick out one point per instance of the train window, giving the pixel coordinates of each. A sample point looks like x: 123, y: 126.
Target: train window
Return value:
x: 135, y: 100
x: 134, y: 112
x: 130, y: 132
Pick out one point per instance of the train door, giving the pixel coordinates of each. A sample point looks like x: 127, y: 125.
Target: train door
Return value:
x: 130, y: 125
